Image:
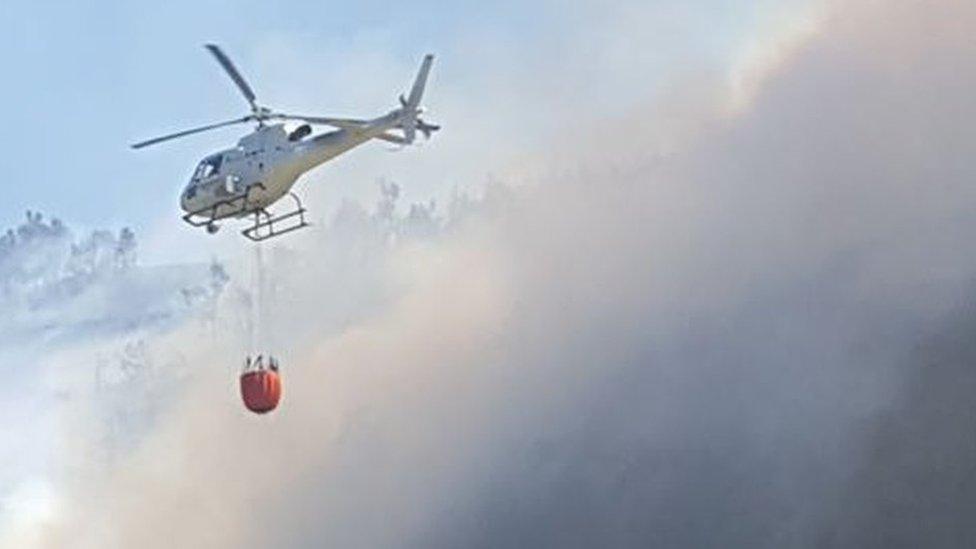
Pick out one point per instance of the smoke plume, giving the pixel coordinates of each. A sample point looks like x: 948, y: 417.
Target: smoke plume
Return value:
x: 747, y: 326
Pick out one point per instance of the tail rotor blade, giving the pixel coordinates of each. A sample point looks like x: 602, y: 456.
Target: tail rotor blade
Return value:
x: 427, y: 129
x: 410, y: 130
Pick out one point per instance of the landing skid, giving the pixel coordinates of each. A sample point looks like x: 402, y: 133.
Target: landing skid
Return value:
x: 270, y: 225
x: 266, y: 225
x: 234, y: 206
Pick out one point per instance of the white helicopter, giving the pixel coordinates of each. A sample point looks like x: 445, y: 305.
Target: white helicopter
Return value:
x: 265, y: 164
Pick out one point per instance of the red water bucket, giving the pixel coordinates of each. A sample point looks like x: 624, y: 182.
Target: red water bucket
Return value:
x: 261, y: 390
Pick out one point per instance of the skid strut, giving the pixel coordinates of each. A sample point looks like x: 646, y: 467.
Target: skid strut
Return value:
x: 268, y: 226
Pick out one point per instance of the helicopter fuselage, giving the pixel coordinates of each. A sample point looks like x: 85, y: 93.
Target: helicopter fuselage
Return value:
x: 246, y: 180
x: 265, y: 164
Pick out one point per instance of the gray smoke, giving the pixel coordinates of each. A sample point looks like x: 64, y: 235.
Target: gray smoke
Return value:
x: 78, y: 310
x: 746, y: 328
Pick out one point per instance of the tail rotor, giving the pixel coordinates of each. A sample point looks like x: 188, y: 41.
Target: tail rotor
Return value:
x: 410, y: 107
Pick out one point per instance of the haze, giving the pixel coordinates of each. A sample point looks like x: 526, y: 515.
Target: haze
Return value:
x: 728, y: 306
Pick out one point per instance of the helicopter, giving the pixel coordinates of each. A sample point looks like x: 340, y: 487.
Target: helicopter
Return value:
x: 246, y: 180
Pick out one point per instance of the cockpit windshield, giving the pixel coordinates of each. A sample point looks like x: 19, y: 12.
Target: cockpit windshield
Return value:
x: 208, y: 167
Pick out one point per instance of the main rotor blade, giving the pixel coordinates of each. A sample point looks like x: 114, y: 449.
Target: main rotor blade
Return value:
x: 233, y: 72
x: 190, y: 132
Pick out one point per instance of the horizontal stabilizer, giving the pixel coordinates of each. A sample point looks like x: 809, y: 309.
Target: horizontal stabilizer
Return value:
x: 390, y: 138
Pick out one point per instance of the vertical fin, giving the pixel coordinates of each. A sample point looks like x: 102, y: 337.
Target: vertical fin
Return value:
x: 417, y: 91
x: 411, y: 104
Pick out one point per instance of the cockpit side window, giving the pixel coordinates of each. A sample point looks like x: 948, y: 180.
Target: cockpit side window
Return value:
x: 208, y: 167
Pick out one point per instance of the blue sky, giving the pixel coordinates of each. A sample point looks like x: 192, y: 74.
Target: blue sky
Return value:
x: 85, y: 80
